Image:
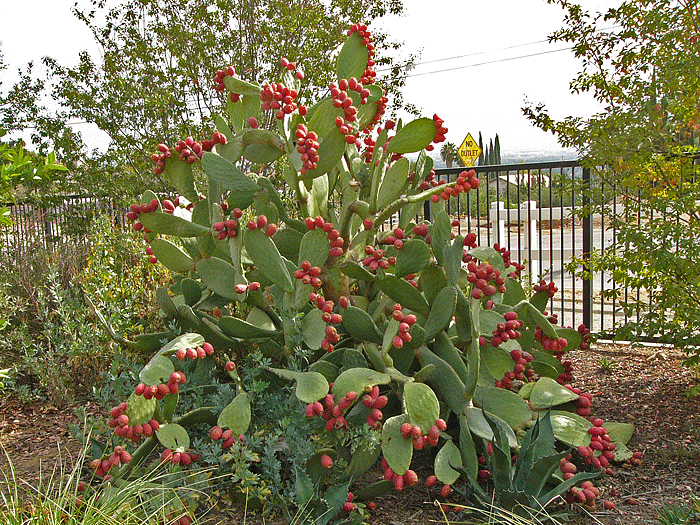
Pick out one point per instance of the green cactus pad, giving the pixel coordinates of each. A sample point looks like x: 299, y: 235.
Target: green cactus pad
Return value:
x: 191, y: 291
x: 360, y: 326
x: 353, y: 359
x: 139, y: 410
x: 314, y: 248
x: 228, y: 176
x: 404, y: 293
x: 440, y: 235
x: 330, y: 152
x: 363, y: 459
x: 149, y: 342
x: 422, y: 405
x: 355, y: 271
x: 172, y: 257
x: 179, y: 174
x: 393, y: 183
x: 467, y: 449
x: 548, y: 393
x: 236, y: 415
x: 169, y: 406
x: 219, y: 276
x: 165, y: 302
x: 452, y: 256
x: 571, y: 429
x: 496, y: 361
x: 397, y: 450
x: 313, y: 329
x: 488, y: 254
x: 514, y: 292
x: 262, y: 146
x: 357, y: 379
x: 444, y: 381
x: 267, y: 258
x: 488, y: 321
x: 311, y: 386
x: 241, y: 87
x: 352, y: 60
x: 167, y: 224
x: 505, y: 404
x: 326, y: 369
x: 479, y: 426
x: 259, y: 318
x: 315, y: 469
x: 573, y: 338
x: 184, y: 341
x: 414, y: 136
x: 412, y: 258
x: 447, y: 457
x: 622, y: 452
x: 174, y: 437
x: 444, y: 349
x: 620, y: 433
x: 432, y: 280
x: 376, y: 489
x: 441, y: 315
x: 288, y: 241
x: 546, y: 365
x: 234, y: 327
x: 157, y: 370
x: 532, y: 316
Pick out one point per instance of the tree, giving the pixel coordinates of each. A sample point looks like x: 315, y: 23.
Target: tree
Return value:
x: 158, y: 57
x: 640, y: 61
x: 449, y: 154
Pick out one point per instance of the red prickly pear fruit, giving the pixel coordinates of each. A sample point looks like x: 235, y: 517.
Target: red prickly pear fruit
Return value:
x: 147, y: 430
x: 326, y: 461
x: 406, y: 430
x: 368, y: 223
x: 185, y: 459
x: 208, y: 348
x: 115, y: 412
x: 445, y: 508
x: 181, y: 354
x: 388, y: 473
x: 254, y: 286
x: 154, y: 425
x: 445, y: 490
x: 215, y: 433
x: 484, y: 475
x: 416, y: 432
x: 261, y: 222
x: 125, y: 457
x: 230, y: 366
x: 597, y: 422
x: 139, y: 389
x: 608, y: 505
x: 430, y: 481
x: 271, y: 230
x: 410, y: 478
x: 166, y: 455
x: 440, y: 423
x: 252, y: 122
x: 191, y: 353
x: 398, y: 481
x: 95, y: 464
x: 348, y: 506
x: 123, y: 420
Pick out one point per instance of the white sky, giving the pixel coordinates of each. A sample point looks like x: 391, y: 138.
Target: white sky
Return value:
x: 473, y: 98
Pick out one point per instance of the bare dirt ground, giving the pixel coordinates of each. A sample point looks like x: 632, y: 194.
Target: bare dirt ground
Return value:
x: 644, y: 385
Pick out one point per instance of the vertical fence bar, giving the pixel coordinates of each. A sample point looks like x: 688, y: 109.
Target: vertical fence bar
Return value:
x: 586, y: 249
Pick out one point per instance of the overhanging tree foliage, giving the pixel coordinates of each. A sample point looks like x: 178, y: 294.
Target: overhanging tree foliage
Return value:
x: 641, y: 62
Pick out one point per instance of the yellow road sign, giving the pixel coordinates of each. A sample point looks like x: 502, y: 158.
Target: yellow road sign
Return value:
x: 469, y: 151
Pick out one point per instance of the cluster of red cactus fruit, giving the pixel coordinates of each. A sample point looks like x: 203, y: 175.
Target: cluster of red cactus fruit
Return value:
x: 583, y: 403
x: 260, y: 223
x: 102, y: 467
x: 414, y: 432
x: 445, y: 491
x: 466, y: 181
x: 507, y: 261
x: 279, y: 98
x: 486, y: 280
x: 361, y: 30
x: 307, y: 146
x: 585, y: 336
x: 549, y: 288
x: 243, y: 288
x: 119, y: 421
x: 309, y: 274
x: 585, y: 495
x: 285, y: 63
x: 195, y: 353
x: 395, y: 238
x: 225, y: 229
x: 182, y: 520
x: 373, y: 400
x: 440, y: 131
x: 400, y: 481
x: 556, y: 346
x: 219, y: 82
x: 137, y: 209
x: 405, y: 323
x: 376, y: 259
x: 328, y: 316
x: 341, y: 99
x: 333, y: 235
x: 179, y: 458
x: 370, y: 143
x: 159, y: 158
x: 333, y: 413
x: 225, y: 436
x: 520, y: 371
x: 160, y: 391
x: 508, y: 330
x: 349, y: 506
x: 600, y: 442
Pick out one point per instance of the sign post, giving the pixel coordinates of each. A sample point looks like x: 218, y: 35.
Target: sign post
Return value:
x: 469, y: 151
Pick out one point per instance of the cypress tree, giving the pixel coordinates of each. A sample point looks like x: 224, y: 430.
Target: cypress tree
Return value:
x: 497, y: 151
x: 481, y: 147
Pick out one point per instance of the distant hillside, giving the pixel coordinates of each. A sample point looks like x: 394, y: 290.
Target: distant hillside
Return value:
x: 519, y: 157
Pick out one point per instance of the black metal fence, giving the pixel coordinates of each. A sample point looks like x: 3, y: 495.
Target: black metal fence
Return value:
x: 528, y: 208
x: 53, y: 221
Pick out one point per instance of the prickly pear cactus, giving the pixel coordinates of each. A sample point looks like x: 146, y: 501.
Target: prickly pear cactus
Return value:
x: 410, y: 333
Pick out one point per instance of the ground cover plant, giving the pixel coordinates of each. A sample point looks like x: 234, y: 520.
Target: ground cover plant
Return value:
x: 303, y: 343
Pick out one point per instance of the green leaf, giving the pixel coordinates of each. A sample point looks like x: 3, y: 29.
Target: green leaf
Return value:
x: 169, y: 406
x: 452, y: 256
x: 467, y: 449
x: 440, y: 235
x: 311, y: 386
x: 356, y: 380
x: 262, y: 146
x: 352, y: 60
x: 171, y: 256
x: 220, y: 277
x: 393, y: 182
x: 236, y: 415
x: 421, y: 404
x: 414, y: 136
x: 157, y: 370
x: 179, y: 174
x: 480, y: 427
x: 548, y: 393
x: 174, y: 437
x: 397, y: 450
x: 447, y: 457
x: 167, y: 224
x: 184, y: 341
x: 241, y: 87
x: 532, y: 316
x: 414, y: 255
x: 264, y: 254
x: 571, y: 429
x: 514, y: 292
x: 363, y: 459
x: 620, y: 433
x: 330, y: 151
x: 441, y: 314
x: 191, y: 291
x: 314, y: 248
x: 505, y: 404
x: 357, y: 272
x: 313, y: 329
x: 432, y: 280
x: 315, y: 468
x: 228, y: 176
x: 234, y: 327
x: 404, y: 293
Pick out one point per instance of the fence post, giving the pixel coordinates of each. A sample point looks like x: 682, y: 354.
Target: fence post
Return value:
x: 587, y: 231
